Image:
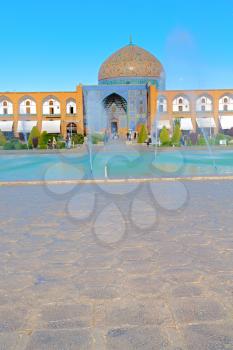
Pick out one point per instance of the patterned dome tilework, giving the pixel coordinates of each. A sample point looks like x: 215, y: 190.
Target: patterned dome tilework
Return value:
x: 131, y: 61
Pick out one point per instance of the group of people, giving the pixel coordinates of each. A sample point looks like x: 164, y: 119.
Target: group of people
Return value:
x: 52, y: 144
x: 131, y: 135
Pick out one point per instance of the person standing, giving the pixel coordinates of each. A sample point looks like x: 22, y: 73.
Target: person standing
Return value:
x: 49, y: 144
x: 67, y: 140
x: 148, y: 140
x: 54, y: 143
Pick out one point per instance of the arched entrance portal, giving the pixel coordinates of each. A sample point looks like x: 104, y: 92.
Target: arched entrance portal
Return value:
x: 71, y: 129
x: 116, y: 109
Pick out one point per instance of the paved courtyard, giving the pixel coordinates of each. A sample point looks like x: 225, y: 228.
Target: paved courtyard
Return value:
x: 123, y: 270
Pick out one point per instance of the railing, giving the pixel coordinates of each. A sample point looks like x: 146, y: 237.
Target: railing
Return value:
x: 52, y: 115
x: 27, y: 114
x: 6, y: 115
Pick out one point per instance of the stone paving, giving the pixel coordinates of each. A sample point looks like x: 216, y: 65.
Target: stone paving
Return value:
x: 169, y: 287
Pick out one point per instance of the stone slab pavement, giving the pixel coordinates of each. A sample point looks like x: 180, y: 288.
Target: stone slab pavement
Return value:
x: 144, y: 275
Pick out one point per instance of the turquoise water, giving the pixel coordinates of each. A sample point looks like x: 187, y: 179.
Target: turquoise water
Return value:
x: 126, y: 164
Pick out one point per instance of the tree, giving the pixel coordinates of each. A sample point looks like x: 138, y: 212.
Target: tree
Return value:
x: 201, y: 141
x: 3, y: 140
x: 34, y: 137
x: 43, y: 139
x: 143, y: 134
x: 176, y: 137
x: 78, y: 139
x: 164, y: 137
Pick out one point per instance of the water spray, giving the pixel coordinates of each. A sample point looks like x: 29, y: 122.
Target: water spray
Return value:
x: 106, y: 171
x: 209, y: 149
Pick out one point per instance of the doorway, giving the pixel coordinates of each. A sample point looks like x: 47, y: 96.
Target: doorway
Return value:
x: 114, y: 128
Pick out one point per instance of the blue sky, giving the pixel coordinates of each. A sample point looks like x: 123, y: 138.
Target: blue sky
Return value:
x: 53, y: 46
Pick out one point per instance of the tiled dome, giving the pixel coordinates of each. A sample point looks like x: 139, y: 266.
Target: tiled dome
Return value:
x: 131, y: 61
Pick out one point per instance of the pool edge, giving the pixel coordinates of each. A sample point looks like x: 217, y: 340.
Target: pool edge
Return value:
x: 114, y: 181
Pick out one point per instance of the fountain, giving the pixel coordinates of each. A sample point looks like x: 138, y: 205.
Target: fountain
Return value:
x: 96, y: 121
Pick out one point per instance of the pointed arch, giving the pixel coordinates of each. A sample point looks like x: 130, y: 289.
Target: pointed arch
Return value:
x: 226, y: 102
x: 51, y: 105
x: 6, y: 105
x: 204, y: 103
x: 181, y: 103
x: 27, y: 105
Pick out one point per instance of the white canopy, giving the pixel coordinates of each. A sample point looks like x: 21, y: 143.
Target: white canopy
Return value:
x: 6, y: 126
x: 226, y: 121
x: 26, y: 125
x: 161, y: 123
x: 186, y: 124
x: 51, y: 126
x: 206, y: 122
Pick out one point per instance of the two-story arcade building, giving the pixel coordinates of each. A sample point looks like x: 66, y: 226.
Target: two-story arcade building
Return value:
x: 131, y: 92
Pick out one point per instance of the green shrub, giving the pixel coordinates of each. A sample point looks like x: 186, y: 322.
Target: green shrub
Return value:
x: 58, y: 137
x: 220, y: 137
x: 96, y: 138
x: 201, y: 141
x: 61, y: 144
x: 3, y: 140
x: 34, y: 135
x: 78, y: 139
x: 164, y: 137
x: 176, y: 137
x: 15, y: 144
x: 143, y: 134
x: 43, y: 146
x: 9, y: 146
x: 19, y: 145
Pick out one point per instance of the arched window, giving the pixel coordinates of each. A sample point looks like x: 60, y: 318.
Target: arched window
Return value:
x: 204, y: 104
x: 6, y: 106
x: 27, y: 106
x: 71, y: 129
x: 71, y: 106
x: 181, y: 104
x: 51, y: 106
x: 226, y: 103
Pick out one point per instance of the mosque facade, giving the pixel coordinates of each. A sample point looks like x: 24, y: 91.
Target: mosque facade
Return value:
x: 131, y: 91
